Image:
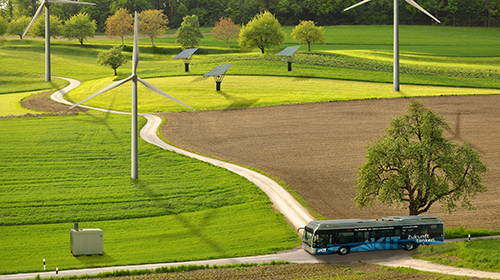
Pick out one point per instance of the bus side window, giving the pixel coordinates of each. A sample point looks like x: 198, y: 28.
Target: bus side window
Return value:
x: 423, y: 230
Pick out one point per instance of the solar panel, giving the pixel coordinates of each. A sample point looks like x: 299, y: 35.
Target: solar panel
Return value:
x: 218, y: 70
x: 186, y: 53
x: 289, y: 51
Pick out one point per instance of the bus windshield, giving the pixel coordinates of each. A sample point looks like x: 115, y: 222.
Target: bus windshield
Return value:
x: 308, y: 235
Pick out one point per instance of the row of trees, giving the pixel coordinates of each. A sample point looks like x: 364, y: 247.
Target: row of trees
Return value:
x: 484, y: 13
x: 77, y: 27
x: 263, y: 31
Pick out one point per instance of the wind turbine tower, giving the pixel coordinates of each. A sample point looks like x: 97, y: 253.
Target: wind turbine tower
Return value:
x: 46, y: 4
x: 396, y: 34
x: 134, y: 79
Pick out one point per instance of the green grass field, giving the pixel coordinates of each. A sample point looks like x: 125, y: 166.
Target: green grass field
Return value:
x: 250, y: 91
x: 477, y: 254
x: 58, y: 170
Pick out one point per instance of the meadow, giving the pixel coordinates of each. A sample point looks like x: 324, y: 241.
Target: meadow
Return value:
x: 477, y: 254
x: 58, y: 170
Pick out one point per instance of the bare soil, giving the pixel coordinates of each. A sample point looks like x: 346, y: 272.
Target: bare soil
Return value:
x: 42, y: 102
x: 294, y: 271
x: 317, y: 148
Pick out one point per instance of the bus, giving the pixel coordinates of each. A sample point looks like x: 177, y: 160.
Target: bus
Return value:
x: 354, y: 235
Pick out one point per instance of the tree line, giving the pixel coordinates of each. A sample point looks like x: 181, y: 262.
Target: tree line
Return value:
x: 474, y: 13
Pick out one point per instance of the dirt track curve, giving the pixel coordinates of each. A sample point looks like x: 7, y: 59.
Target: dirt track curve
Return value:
x: 289, y: 131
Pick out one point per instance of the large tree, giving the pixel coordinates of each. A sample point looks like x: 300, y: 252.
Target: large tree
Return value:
x: 307, y: 32
x: 414, y: 166
x: 4, y: 25
x: 113, y: 58
x: 263, y: 31
x: 152, y: 23
x: 189, y: 34
x: 120, y: 24
x: 80, y: 27
x: 18, y: 25
x: 225, y: 29
x: 38, y: 27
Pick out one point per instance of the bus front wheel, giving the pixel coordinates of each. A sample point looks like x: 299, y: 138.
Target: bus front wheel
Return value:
x: 343, y: 251
x: 410, y: 246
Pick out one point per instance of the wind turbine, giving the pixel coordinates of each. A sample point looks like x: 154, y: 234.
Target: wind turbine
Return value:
x: 46, y: 4
x: 134, y: 79
x: 396, y: 34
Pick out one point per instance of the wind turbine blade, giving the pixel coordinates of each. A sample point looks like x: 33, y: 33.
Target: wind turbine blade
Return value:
x: 159, y: 91
x: 414, y: 4
x: 110, y: 87
x: 70, y: 2
x: 355, y: 5
x: 135, y: 53
x: 37, y: 14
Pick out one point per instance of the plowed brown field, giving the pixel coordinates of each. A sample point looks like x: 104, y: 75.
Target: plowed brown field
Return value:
x: 317, y: 148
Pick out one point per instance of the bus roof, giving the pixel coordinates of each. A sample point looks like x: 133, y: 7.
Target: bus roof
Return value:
x: 384, y: 222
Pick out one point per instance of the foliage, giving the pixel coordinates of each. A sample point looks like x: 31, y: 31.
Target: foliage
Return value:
x: 225, y: 29
x: 120, y: 24
x: 415, y: 166
x: 477, y: 13
x: 462, y: 232
x: 18, y: 25
x: 38, y: 27
x: 79, y: 27
x: 307, y: 32
x: 152, y: 23
x: 263, y: 31
x: 113, y: 57
x: 189, y: 34
x: 477, y: 254
x: 4, y: 25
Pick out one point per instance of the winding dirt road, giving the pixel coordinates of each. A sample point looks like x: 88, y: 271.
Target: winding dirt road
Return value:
x: 282, y: 200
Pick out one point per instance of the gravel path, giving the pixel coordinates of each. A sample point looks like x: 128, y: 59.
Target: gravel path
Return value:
x: 282, y: 200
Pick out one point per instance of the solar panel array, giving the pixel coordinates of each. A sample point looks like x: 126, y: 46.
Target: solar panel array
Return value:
x: 289, y: 51
x: 218, y: 70
x: 186, y: 53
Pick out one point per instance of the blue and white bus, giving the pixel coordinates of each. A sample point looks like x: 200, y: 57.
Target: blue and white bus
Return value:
x: 388, y: 233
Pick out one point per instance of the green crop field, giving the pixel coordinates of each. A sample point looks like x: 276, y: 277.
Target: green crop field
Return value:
x: 58, y: 170
x: 249, y: 91
x: 477, y: 254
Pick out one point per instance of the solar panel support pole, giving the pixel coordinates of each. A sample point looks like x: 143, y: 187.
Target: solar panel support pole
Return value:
x: 218, y: 81
x: 218, y: 73
x: 288, y: 52
x: 186, y: 57
x: 186, y: 64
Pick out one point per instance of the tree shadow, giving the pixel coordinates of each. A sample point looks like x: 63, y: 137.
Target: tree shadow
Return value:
x: 237, y: 102
x: 456, y: 132
x: 197, y: 230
